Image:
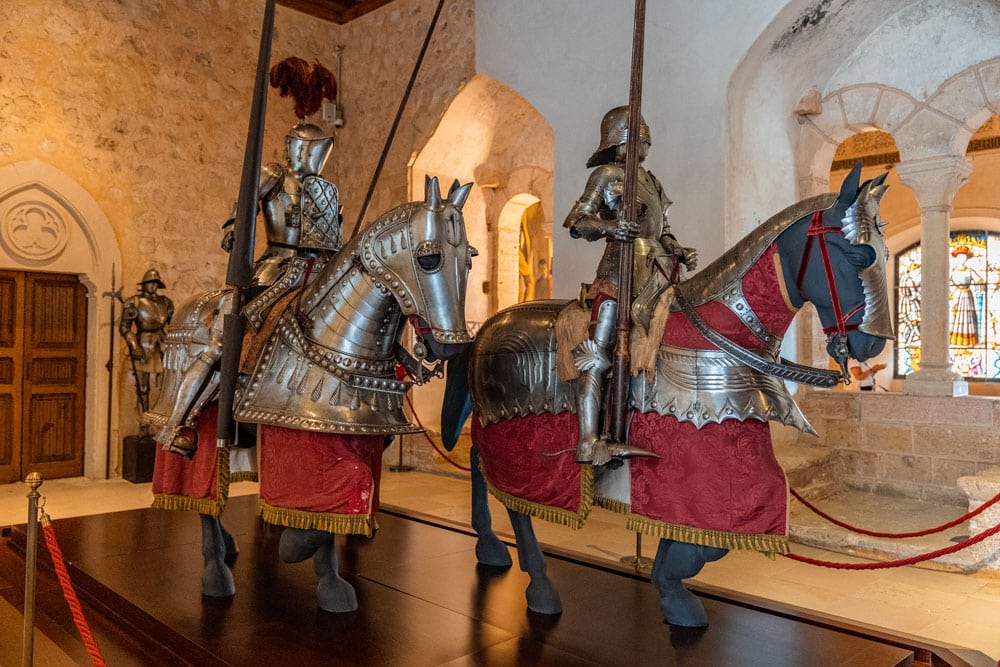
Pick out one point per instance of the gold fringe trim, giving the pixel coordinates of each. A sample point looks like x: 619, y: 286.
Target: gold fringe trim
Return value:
x: 556, y: 515
x: 618, y: 506
x: 166, y: 501
x: 767, y: 544
x: 243, y: 476
x: 342, y: 524
x: 207, y: 506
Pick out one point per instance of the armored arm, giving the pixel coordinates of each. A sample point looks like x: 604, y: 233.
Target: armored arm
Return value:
x: 597, y: 213
x: 687, y: 256
x: 130, y: 313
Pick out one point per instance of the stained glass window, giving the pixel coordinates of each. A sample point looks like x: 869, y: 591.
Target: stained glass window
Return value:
x: 974, y: 307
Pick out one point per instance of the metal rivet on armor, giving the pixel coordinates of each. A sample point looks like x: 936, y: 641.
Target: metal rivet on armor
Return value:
x: 690, y: 415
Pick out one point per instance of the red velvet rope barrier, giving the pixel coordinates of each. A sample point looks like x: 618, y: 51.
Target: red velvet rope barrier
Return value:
x: 919, y: 533
x: 67, y: 588
x: 433, y: 444
x: 899, y: 563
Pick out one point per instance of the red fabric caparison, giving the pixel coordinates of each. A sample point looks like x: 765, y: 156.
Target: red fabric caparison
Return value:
x: 320, y: 472
x: 176, y: 476
x: 513, y: 458
x: 721, y: 477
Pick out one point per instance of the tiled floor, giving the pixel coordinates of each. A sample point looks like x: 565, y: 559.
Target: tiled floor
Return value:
x: 957, y: 609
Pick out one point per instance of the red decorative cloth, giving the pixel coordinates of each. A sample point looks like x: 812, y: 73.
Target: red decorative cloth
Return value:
x: 322, y: 481
x: 719, y: 485
x: 721, y: 477
x: 514, y: 461
x: 193, y: 485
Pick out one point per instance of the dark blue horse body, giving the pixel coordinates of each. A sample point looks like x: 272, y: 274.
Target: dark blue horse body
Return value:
x: 702, y: 404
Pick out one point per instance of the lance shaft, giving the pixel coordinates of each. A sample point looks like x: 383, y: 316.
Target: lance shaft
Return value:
x: 621, y: 370
x: 239, y: 274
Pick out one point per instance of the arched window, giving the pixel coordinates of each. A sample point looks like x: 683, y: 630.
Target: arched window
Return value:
x: 974, y: 306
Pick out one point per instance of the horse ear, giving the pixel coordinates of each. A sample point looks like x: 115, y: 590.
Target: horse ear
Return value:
x: 458, y: 196
x: 879, y: 180
x: 454, y: 186
x: 849, y: 188
x: 432, y: 193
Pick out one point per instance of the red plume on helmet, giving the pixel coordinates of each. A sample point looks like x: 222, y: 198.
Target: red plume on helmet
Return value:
x: 308, y: 87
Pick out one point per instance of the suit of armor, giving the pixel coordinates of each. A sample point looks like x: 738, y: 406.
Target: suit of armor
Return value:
x: 301, y: 213
x: 657, y: 263
x: 143, y: 323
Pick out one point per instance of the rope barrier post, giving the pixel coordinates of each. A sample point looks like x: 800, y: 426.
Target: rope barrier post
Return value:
x: 33, y: 480
x: 638, y: 561
x: 399, y: 467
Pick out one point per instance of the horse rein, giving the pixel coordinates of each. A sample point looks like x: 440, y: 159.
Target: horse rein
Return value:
x: 782, y: 368
x: 838, y: 331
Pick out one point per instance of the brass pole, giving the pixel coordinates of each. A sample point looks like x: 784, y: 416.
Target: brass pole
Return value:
x: 34, y: 480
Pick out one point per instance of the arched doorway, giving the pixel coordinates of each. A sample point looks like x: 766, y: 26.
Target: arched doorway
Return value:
x: 74, y: 237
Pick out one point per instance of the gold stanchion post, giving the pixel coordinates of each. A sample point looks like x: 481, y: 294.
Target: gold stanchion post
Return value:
x: 33, y: 480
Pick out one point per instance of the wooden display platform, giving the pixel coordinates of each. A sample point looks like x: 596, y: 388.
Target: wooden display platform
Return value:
x: 423, y: 599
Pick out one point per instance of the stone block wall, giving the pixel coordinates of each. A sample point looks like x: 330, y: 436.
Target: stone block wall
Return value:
x: 912, y: 446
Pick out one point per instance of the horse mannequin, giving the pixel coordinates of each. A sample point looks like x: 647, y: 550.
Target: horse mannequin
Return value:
x: 703, y: 408
x: 324, y: 376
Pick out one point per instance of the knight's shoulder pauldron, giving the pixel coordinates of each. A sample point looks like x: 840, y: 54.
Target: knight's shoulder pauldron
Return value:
x: 271, y: 178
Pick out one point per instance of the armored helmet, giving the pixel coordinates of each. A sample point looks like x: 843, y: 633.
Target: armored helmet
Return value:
x: 152, y: 276
x: 307, y: 148
x: 614, y: 132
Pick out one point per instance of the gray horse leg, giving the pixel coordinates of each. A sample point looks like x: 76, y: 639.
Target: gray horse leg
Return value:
x: 296, y: 544
x: 216, y: 578
x: 489, y: 549
x: 541, y: 594
x: 676, y: 561
x: 228, y: 541
x: 333, y: 593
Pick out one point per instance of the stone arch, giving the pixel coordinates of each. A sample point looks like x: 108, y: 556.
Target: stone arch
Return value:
x: 492, y: 136
x: 80, y: 240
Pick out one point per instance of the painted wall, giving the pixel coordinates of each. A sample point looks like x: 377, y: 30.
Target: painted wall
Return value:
x: 570, y: 59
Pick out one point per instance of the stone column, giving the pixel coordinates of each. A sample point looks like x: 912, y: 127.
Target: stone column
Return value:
x: 934, y: 182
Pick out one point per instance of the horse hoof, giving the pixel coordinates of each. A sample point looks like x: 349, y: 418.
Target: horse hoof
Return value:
x: 543, y: 598
x: 217, y: 580
x: 492, y: 552
x: 296, y: 545
x: 336, y: 595
x: 681, y: 607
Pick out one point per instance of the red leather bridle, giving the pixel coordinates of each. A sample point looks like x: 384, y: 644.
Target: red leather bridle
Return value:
x: 818, y: 231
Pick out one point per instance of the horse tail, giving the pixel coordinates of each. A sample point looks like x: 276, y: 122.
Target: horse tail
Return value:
x: 457, y: 404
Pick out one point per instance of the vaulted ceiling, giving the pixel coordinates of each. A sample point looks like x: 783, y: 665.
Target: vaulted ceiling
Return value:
x: 337, y: 11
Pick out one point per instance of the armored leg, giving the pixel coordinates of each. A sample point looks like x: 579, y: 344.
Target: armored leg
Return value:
x: 593, y: 359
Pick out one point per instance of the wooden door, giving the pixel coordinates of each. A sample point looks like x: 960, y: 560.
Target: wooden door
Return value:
x: 42, y: 374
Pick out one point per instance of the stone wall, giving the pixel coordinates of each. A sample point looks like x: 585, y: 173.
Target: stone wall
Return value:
x: 912, y: 446
x: 145, y: 106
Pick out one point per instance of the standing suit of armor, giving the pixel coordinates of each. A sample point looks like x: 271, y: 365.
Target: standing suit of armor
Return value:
x: 301, y: 212
x: 657, y: 262
x: 144, y: 319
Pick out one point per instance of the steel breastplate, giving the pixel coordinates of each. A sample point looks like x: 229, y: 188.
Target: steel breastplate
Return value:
x: 300, y: 384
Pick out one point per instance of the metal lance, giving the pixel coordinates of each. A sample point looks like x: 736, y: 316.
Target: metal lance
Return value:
x: 621, y: 370
x: 239, y: 274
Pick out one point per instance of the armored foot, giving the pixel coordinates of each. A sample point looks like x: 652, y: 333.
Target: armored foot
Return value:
x: 216, y: 577
x: 333, y: 593
x: 601, y: 453
x: 676, y: 561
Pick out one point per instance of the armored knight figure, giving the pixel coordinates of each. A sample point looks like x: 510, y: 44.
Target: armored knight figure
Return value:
x: 659, y: 262
x: 301, y: 214
x: 144, y: 319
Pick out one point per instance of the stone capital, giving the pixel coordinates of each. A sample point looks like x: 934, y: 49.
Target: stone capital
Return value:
x: 935, y: 180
